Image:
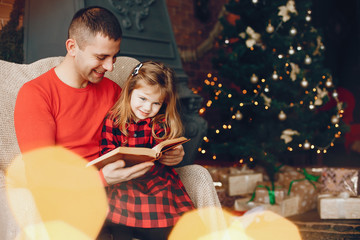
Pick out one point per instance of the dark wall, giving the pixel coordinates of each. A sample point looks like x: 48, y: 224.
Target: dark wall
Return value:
x: 340, y: 22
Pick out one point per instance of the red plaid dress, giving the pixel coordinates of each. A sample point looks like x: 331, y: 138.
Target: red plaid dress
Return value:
x: 155, y: 200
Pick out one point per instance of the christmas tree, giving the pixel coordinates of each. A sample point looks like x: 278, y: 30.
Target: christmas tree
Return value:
x: 270, y: 97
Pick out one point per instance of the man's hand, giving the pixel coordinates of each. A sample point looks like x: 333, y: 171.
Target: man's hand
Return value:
x: 173, y: 156
x: 116, y: 172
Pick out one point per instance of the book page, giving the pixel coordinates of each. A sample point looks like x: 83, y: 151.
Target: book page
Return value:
x: 170, y: 144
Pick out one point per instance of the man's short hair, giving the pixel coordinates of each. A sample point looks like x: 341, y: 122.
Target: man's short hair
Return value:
x: 90, y: 21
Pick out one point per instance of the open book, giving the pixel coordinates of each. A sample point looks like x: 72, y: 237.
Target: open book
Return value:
x: 135, y: 155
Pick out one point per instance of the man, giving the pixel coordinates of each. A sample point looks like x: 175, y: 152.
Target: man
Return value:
x: 66, y: 105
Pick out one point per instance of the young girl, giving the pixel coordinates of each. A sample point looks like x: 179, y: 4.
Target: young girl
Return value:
x: 149, y: 206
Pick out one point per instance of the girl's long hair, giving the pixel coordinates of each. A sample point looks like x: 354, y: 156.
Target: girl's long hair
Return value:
x: 153, y: 74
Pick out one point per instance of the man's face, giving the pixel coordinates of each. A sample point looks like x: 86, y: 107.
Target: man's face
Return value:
x: 97, y: 56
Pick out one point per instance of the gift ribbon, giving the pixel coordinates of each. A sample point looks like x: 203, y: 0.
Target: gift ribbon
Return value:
x: 308, y: 176
x: 270, y: 191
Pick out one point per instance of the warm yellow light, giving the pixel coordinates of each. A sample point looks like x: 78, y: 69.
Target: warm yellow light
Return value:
x: 52, y: 193
x: 224, y: 126
x: 203, y: 151
x: 220, y: 85
x: 217, y: 131
x: 229, y: 95
x: 209, y: 75
x: 251, y: 159
x: 207, y: 82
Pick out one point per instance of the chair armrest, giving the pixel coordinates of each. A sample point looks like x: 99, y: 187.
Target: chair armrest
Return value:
x: 199, y: 185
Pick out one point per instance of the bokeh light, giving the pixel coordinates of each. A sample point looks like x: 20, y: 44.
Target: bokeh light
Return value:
x: 54, y: 196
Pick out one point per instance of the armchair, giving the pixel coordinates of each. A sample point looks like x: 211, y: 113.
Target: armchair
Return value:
x: 196, y: 178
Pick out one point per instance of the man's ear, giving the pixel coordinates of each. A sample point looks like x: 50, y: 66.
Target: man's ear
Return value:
x: 71, y: 46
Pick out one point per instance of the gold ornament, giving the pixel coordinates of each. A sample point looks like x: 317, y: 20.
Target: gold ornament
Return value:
x: 254, y: 79
x: 311, y: 106
x: 304, y: 83
x: 306, y: 145
x: 270, y: 28
x: 293, y: 31
x: 291, y: 50
x: 282, y: 115
x: 275, y: 76
x: 266, y: 89
x: 328, y: 82
x: 238, y: 115
x: 335, y: 119
x: 307, y: 60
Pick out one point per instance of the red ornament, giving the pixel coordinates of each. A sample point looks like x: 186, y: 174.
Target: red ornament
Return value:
x: 232, y: 18
x: 233, y: 40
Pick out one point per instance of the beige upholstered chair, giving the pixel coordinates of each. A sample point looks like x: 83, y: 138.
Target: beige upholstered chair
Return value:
x: 196, y: 179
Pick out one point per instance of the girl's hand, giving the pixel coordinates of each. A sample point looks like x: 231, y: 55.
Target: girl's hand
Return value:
x: 173, y: 156
x: 116, y: 172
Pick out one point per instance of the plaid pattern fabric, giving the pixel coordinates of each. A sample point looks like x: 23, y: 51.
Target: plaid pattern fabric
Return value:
x: 155, y: 200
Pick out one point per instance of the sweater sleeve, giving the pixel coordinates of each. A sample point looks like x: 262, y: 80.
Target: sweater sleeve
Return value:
x: 34, y: 124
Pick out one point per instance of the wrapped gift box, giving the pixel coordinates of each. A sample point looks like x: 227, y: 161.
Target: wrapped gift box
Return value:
x: 288, y: 207
x: 241, y: 184
x: 262, y: 193
x: 338, y: 180
x: 306, y: 191
x: 335, y: 207
x: 237, y: 181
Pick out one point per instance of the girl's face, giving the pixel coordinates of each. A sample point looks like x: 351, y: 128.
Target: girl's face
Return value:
x: 146, y: 101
